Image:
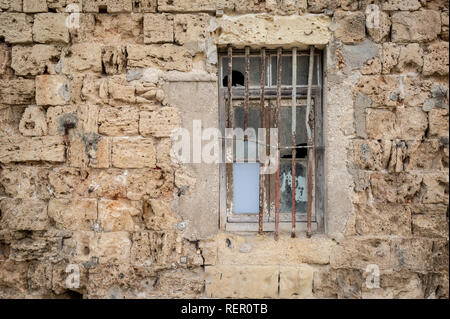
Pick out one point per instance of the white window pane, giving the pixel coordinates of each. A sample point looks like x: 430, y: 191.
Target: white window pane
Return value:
x: 246, y: 188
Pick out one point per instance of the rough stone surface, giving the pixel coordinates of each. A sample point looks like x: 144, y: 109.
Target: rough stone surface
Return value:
x: 87, y: 178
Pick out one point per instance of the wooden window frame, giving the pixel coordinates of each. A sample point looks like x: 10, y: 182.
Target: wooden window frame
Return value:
x: 249, y: 222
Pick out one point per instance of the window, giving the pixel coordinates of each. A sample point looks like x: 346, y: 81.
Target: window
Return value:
x: 248, y: 196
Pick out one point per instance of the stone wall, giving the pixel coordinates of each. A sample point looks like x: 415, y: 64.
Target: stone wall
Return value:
x: 86, y: 111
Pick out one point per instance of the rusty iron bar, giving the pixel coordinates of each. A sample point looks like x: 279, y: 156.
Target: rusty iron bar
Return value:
x: 278, y: 120
x: 310, y: 142
x: 263, y: 126
x: 246, y: 84
x: 294, y: 125
x: 230, y: 83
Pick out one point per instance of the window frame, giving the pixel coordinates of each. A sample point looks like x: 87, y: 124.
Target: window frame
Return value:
x: 249, y: 222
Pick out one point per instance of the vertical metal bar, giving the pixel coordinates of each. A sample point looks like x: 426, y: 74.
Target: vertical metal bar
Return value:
x: 263, y: 125
x: 230, y: 82
x: 310, y: 142
x: 277, y: 177
x: 294, y: 125
x: 247, y: 80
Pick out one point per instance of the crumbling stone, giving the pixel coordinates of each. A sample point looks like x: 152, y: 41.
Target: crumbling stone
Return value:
x: 17, y: 91
x: 33, y: 122
x: 350, y: 26
x: 159, y: 123
x: 38, y: 59
x: 420, y: 26
x: 436, y: 59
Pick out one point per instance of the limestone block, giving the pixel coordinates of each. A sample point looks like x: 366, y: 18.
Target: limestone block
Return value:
x: 383, y: 219
x: 23, y: 214
x: 5, y: 60
x: 17, y: 91
x: 73, y: 214
x: 38, y: 59
x: 405, y: 123
x: 11, y: 5
x: 33, y: 122
x: 410, y: 59
x: 158, y: 215
x: 425, y: 155
x: 415, y: 90
x: 21, y: 149
x: 435, y: 188
x: 438, y: 123
x: 69, y: 182
x: 372, y: 155
x: 372, y: 67
x: 155, y: 248
x: 25, y: 182
x: 114, y: 59
x: 317, y: 6
x: 411, y: 122
x: 445, y: 23
x: 34, y: 6
x: 146, y: 182
x: 120, y: 91
x: 9, y: 120
x: 380, y: 28
x: 159, y: 123
x: 241, y: 281
x: 60, y: 116
x: 296, y: 281
x: 52, y: 90
x: 82, y: 57
x: 109, y: 29
x: 110, y: 6
x: 380, y: 124
x: 111, y: 247
x: 116, y: 121
x: 259, y: 250
x: 429, y: 221
x: 89, y: 150
x: 119, y: 215
x: 293, y: 30
x: 436, y: 59
x: 144, y: 6
x: 395, y: 188
x: 133, y: 153
x: 412, y: 254
x: 416, y: 26
x: 380, y: 89
x: 391, y: 53
x: 357, y: 253
x: 191, y: 30
x: 158, y: 28
x: 351, y: 26
x: 50, y: 27
x: 401, y: 5
x: 165, y: 56
x: 15, y: 27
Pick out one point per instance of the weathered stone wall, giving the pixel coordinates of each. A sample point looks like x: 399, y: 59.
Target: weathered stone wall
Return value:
x: 86, y: 110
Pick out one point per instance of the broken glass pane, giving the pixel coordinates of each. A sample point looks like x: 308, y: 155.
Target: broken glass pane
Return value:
x: 301, y: 197
x: 239, y: 71
x: 246, y: 188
